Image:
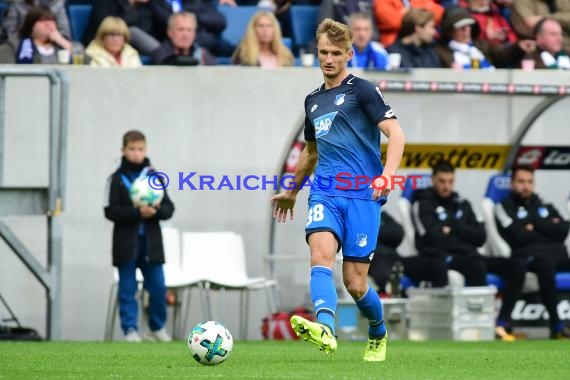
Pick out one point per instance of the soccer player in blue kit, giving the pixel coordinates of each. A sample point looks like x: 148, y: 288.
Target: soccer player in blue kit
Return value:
x: 344, y: 118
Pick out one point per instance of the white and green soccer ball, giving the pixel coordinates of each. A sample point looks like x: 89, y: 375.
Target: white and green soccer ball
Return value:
x: 144, y: 193
x: 210, y: 343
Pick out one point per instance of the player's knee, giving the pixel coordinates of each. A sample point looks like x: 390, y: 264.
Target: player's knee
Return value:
x: 323, y: 258
x: 356, y: 289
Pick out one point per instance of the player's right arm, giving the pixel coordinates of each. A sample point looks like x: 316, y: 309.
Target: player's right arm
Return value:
x: 284, y: 202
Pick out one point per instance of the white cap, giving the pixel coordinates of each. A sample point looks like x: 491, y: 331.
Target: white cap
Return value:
x: 464, y: 22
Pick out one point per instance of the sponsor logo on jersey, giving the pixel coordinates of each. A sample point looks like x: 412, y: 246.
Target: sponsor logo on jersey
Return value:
x: 323, y: 124
x: 314, y: 107
x: 339, y: 99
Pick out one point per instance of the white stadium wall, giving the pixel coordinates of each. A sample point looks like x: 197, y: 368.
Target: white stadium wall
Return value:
x: 219, y: 121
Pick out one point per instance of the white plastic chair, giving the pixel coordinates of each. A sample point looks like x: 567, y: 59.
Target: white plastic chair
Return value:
x: 220, y: 259
x: 174, y: 278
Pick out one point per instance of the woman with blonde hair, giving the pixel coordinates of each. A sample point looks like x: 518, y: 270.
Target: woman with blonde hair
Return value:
x: 110, y: 47
x: 262, y: 44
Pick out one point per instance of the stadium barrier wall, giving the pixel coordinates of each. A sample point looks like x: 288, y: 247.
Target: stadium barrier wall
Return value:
x: 220, y: 121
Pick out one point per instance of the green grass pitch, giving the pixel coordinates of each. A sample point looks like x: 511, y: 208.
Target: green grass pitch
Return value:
x: 533, y: 359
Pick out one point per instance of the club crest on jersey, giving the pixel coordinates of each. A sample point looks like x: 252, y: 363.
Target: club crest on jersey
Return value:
x: 323, y: 124
x: 339, y: 99
x: 361, y: 240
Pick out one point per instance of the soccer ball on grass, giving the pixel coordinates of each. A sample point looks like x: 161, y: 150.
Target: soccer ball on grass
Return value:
x: 210, y: 343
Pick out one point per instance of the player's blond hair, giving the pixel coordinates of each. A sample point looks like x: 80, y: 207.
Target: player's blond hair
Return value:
x: 338, y: 33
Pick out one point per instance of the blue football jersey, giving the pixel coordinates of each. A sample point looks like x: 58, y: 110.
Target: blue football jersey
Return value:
x: 344, y: 122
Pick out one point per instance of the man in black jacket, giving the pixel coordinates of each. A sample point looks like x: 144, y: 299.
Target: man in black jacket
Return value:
x: 388, y: 265
x: 137, y: 240
x: 180, y: 48
x: 535, y: 232
x: 448, y: 232
x: 211, y: 23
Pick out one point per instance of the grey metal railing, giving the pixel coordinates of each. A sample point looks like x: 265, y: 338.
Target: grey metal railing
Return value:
x: 47, y: 201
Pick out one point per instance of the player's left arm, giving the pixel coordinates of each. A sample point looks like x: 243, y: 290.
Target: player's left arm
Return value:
x: 396, y: 140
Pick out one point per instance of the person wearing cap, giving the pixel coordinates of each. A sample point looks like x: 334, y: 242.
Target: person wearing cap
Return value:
x: 461, y: 48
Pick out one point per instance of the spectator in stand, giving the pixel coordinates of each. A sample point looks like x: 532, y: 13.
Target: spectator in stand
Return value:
x: 367, y: 53
x: 13, y: 20
x: 389, y: 15
x: 110, y: 47
x: 526, y: 14
x: 136, y: 13
x: 549, y: 40
x: 262, y: 44
x: 535, y: 231
x: 494, y: 28
x: 40, y: 38
x: 211, y: 23
x: 341, y: 10
x: 180, y: 48
x: 460, y: 48
x: 415, y: 41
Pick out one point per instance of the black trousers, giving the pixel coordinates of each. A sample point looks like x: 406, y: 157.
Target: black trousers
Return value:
x: 549, y: 259
x: 473, y: 267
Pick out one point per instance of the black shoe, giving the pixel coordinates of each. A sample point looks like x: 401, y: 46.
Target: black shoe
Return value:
x: 562, y: 334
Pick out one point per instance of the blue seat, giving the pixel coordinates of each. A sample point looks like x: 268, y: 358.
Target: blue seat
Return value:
x: 288, y: 42
x: 223, y: 61
x: 493, y: 279
x: 303, y: 24
x: 3, y: 7
x: 563, y: 281
x: 78, y: 19
x: 237, y: 19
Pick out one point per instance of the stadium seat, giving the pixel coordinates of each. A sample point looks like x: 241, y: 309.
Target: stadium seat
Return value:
x: 405, y: 207
x: 219, y: 258
x: 174, y: 279
x: 78, y: 18
x: 237, y: 19
x: 497, y: 189
x: 415, y: 182
x: 288, y: 42
x: 3, y: 7
x: 303, y: 24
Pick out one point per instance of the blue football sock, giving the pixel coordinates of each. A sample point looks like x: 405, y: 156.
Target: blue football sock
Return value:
x: 371, y: 307
x: 323, y: 294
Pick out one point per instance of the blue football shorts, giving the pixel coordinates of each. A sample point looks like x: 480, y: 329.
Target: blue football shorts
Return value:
x: 354, y: 222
